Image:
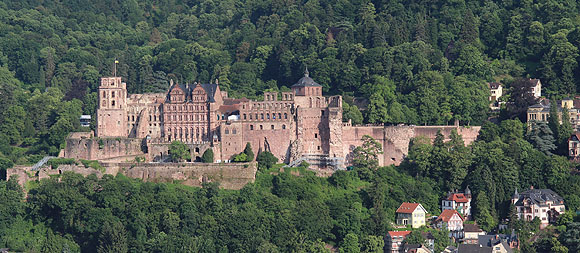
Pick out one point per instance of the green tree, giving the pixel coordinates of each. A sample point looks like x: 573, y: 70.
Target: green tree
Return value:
x: 542, y: 138
x: 415, y: 237
x: 266, y: 160
x: 483, y: 215
x: 113, y: 238
x: 350, y: 244
x: 178, y: 151
x: 249, y: 153
x: 367, y: 155
x: 351, y: 112
x: 372, y: 244
x: 207, y: 156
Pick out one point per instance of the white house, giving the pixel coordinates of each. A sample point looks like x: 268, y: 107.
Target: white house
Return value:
x: 544, y: 204
x: 452, y: 221
x: 458, y: 201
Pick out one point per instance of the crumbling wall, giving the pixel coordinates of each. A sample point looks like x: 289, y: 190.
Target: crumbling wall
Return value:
x: 102, y: 148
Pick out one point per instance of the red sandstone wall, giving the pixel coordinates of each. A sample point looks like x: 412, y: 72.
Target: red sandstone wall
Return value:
x: 89, y: 148
x: 395, y: 139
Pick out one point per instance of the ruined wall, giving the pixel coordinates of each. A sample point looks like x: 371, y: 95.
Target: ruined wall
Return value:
x: 229, y: 175
x: 90, y: 148
x: 395, y: 139
x: 260, y: 135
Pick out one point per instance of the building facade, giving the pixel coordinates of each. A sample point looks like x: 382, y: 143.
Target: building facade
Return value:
x: 460, y: 201
x: 295, y: 126
x: 394, y: 241
x: 544, y: 204
x: 412, y: 214
x: 452, y: 221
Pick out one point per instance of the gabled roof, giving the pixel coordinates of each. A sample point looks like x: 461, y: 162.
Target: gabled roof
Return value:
x: 494, y: 85
x: 575, y: 137
x: 446, y: 215
x: 209, y: 88
x: 407, y: 207
x: 399, y: 233
x: 457, y: 197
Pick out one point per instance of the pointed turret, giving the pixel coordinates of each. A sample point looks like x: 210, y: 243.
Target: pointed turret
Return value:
x: 467, y: 191
x: 516, y: 195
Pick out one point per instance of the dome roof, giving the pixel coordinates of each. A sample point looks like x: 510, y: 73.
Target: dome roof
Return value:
x: 306, y: 81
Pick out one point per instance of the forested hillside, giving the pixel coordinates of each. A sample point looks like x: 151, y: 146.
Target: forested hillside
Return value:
x: 414, y: 62
x: 417, y: 62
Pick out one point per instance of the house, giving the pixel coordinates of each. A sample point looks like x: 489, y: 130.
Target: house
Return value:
x: 508, y: 242
x: 496, y: 91
x: 394, y: 240
x: 429, y: 240
x: 452, y: 221
x: 471, y: 233
x: 460, y: 201
x: 411, y: 214
x: 487, y: 244
x: 416, y: 248
x: 540, y: 112
x: 536, y: 88
x: 544, y: 204
x: 574, y: 146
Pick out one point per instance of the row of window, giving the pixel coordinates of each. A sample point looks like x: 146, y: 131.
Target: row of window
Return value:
x: 262, y: 127
x: 267, y: 105
x: 188, y: 117
x: 185, y: 107
x: 261, y: 116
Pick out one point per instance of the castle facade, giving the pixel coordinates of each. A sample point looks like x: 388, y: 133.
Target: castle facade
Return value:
x: 295, y: 126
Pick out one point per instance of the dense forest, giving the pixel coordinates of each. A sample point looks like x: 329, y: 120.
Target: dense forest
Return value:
x: 415, y: 62
x: 394, y: 61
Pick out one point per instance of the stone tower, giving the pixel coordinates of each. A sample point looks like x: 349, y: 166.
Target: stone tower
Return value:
x: 111, y: 112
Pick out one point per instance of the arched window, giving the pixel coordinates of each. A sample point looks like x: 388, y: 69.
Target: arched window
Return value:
x: 104, y: 103
x: 285, y: 116
x: 244, y: 116
x: 133, y: 118
x: 150, y: 117
x: 261, y: 127
x: 104, y: 94
x: 113, y: 103
x: 279, y: 115
x: 227, y: 131
x: 272, y: 126
x: 267, y: 116
x: 262, y: 116
x: 113, y: 94
x: 234, y: 131
x: 283, y: 126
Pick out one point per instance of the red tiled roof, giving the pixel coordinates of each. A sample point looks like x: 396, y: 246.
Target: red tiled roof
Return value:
x: 399, y: 233
x: 407, y: 207
x: 457, y: 197
x: 447, y: 214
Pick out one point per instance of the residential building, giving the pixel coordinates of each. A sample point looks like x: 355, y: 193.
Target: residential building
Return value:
x: 411, y: 214
x: 540, y: 112
x: 574, y: 146
x: 394, y: 240
x: 507, y: 242
x: 460, y: 201
x: 544, y: 204
x: 536, y: 87
x: 451, y: 220
x: 416, y: 248
x: 471, y: 233
x: 496, y: 91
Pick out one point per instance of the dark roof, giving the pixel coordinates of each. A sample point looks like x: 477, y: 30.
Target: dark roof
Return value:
x: 494, y: 85
x: 306, y: 81
x: 539, y: 197
x: 210, y: 89
x: 492, y: 240
x: 473, y: 248
x: 471, y: 228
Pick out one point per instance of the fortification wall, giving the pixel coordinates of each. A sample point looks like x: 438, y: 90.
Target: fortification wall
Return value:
x: 101, y: 148
x: 395, y: 139
x: 230, y: 176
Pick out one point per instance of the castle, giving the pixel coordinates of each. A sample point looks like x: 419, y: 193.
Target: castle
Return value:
x: 299, y: 125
